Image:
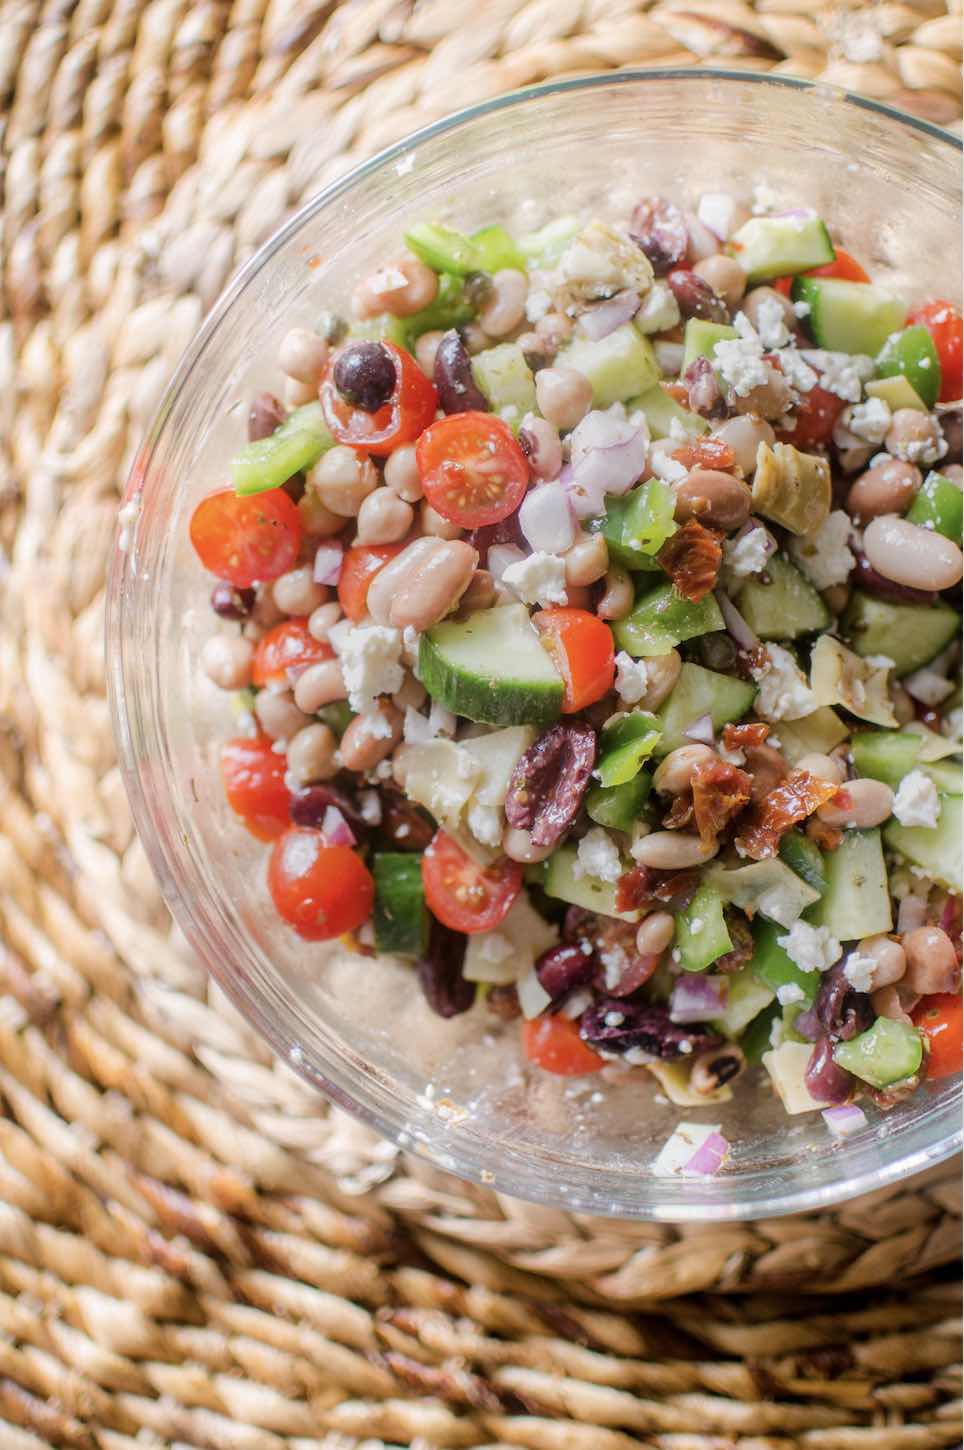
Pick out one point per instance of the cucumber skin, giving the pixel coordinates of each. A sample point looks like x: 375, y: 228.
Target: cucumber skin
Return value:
x: 488, y: 700
x: 940, y: 504
x: 662, y: 619
x: 856, y: 902
x: 799, y: 853
x: 560, y: 881
x: 874, y: 314
x: 911, y: 634
x: 400, y: 918
x: 886, y: 755
x: 756, y: 247
x: 619, y: 806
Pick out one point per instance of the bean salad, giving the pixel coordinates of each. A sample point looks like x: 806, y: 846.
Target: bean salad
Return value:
x: 588, y: 602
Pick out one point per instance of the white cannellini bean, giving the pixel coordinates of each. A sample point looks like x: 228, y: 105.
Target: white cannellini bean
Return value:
x: 870, y: 803
x: 564, y: 395
x: 909, y: 554
x: 824, y: 767
x: 672, y: 850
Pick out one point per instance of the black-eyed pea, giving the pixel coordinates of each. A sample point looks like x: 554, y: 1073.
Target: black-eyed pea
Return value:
x: 226, y: 659
x: 320, y: 684
x: 312, y: 755
x: 859, y: 805
x: 342, y: 479
x: 297, y: 593
x: 401, y: 288
x: 586, y: 561
x: 370, y: 738
x: 278, y: 715
x: 504, y: 308
x: 383, y: 518
x: 539, y: 441
x: 303, y: 356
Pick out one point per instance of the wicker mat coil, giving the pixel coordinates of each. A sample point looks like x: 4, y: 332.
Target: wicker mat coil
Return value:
x: 195, y: 1252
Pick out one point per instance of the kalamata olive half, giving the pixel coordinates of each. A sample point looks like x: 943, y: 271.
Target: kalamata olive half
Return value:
x: 365, y: 375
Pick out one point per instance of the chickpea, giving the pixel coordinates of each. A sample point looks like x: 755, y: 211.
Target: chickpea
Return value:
x: 226, y: 659
x: 932, y: 964
x: 317, y: 521
x: 564, y: 395
x: 312, y: 755
x: 888, y: 957
x: 303, y: 356
x: 763, y: 300
x: 401, y: 288
x: 436, y: 524
x: 383, y: 518
x: 402, y: 475
x: 296, y: 393
x: 505, y: 305
x: 554, y: 329
x: 278, y: 715
x: 342, y: 479
x: 725, y: 276
x: 297, y: 593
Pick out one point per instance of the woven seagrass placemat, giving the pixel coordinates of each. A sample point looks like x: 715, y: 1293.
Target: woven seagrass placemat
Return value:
x: 193, y: 1251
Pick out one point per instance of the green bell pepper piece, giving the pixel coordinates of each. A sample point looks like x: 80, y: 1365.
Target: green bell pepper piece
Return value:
x: 619, y: 806
x: 661, y: 619
x: 625, y: 745
x: 939, y: 505
x: 496, y: 249
x: 912, y: 354
x: 886, y: 1053
x: 296, y: 445
x: 772, y: 965
x: 701, y: 934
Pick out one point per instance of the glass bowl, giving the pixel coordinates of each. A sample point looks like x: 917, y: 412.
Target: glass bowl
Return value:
x: 456, y: 1092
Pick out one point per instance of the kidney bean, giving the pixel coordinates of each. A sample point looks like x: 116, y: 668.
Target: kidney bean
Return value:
x: 452, y: 375
x: 616, y: 1025
x: 659, y: 230
x: 308, y: 806
x: 565, y: 967
x: 264, y: 416
x: 231, y: 603
x: 824, y: 1079
x: 550, y: 780
x: 440, y: 972
x: 703, y: 389
x: 696, y: 298
x: 841, y: 1009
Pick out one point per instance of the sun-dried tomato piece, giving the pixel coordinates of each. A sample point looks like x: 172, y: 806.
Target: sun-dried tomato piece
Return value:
x: 680, y: 813
x: 742, y: 939
x: 720, y: 791
x: 644, y: 886
x: 705, y: 453
x: 744, y: 737
x: 692, y: 559
x: 793, y: 800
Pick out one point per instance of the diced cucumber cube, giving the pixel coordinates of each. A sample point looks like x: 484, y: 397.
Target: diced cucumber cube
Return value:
x: 778, y: 246
x: 938, y: 504
x: 934, y: 849
x: 700, y: 338
x: 491, y: 668
x: 619, y: 367
x: 697, y: 692
x: 849, y: 316
x: 505, y: 378
x: 561, y: 881
x: 886, y: 755
x: 619, y: 806
x: 400, y: 918
x: 856, y: 902
x: 443, y: 249
x: 911, y: 354
x: 784, y: 608
x: 817, y: 733
x: 886, y: 1053
x: 544, y: 247
x: 896, y: 392
x: 624, y: 746
x: 662, y: 412
x: 909, y: 634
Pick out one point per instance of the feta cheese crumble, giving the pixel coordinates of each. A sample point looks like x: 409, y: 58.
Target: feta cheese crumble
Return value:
x: 859, y: 971
x: 370, y: 657
x: 824, y: 555
x: 765, y: 199
x: 916, y: 802
x: 740, y: 363
x: 789, y: 993
x: 784, y: 693
x: 799, y: 374
x: 597, y: 856
x: 540, y: 578
x: 720, y: 212
x: 659, y: 311
x: 841, y: 373
x: 811, y: 948
x: 631, y: 678
x: 870, y: 420
x: 747, y: 553
x: 771, y: 323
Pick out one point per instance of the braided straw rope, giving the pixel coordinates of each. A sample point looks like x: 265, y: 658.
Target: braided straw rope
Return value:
x: 193, y: 1251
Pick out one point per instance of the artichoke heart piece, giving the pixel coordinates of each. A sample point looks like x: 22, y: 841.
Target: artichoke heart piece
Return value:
x: 839, y: 677
x: 597, y: 263
x: 791, y: 488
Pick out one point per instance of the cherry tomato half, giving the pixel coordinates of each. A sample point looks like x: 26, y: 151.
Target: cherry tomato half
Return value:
x: 358, y: 569
x: 246, y: 540
x: 461, y: 893
x: 581, y: 646
x: 816, y: 416
x: 939, y: 1018
x: 473, y: 471
x: 411, y: 408
x: 844, y: 266
x: 322, y: 891
x: 554, y: 1044
x: 254, y: 783
x: 944, y: 323
x: 285, y: 651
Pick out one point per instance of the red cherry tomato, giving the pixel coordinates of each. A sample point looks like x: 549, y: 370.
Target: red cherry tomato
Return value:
x: 816, y: 416
x: 939, y: 1018
x: 359, y: 568
x: 473, y: 471
x: 461, y: 893
x: 285, y: 651
x: 254, y: 783
x: 554, y: 1044
x: 843, y: 266
x: 581, y: 646
x: 411, y: 408
x: 943, y: 322
x: 246, y: 540
x: 322, y: 891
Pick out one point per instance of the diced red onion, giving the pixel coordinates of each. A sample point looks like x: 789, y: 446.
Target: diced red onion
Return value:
x: 328, y: 561
x: 546, y: 518
x: 501, y: 556
x: 696, y: 998
x: 844, y: 1121
x: 701, y: 730
x: 599, y: 321
x: 607, y: 456
x: 709, y: 1156
x: 911, y: 913
x: 335, y: 829
x: 736, y: 625
x: 750, y: 527
x: 950, y: 916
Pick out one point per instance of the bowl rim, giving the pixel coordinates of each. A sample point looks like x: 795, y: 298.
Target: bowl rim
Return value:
x: 501, y: 1177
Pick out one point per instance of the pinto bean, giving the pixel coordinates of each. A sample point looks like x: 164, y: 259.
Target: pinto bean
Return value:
x: 887, y: 488
x: 368, y: 740
x: 932, y: 964
x: 422, y: 583
x: 714, y: 498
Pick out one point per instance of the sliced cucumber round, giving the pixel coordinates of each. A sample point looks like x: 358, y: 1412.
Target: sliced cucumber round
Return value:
x: 491, y: 668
